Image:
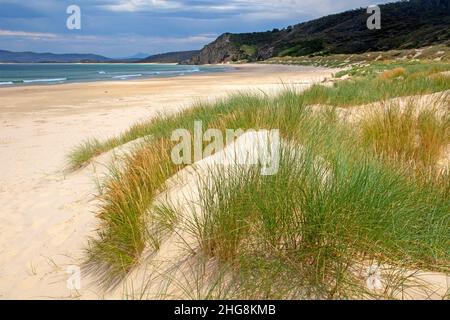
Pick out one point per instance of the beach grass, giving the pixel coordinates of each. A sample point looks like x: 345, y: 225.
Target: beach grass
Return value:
x: 427, y: 55
x: 353, y: 194
x: 411, y: 136
x: 83, y: 153
x: 382, y: 81
x: 295, y: 235
x: 329, y: 210
x: 126, y: 197
x: 366, y: 87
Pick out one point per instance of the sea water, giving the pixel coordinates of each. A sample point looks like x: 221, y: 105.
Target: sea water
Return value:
x: 56, y: 73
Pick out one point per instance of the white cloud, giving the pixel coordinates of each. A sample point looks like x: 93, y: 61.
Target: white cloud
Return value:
x: 143, y: 5
x: 129, y: 43
x: 26, y: 34
x: 253, y: 8
x: 123, y: 38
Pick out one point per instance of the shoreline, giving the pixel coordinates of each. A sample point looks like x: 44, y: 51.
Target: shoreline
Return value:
x: 81, y: 97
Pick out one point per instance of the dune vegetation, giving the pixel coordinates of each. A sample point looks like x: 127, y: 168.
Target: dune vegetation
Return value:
x: 381, y: 194
x: 367, y: 86
x: 431, y: 54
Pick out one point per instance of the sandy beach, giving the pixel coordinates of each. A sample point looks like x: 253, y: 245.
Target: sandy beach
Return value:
x: 46, y: 212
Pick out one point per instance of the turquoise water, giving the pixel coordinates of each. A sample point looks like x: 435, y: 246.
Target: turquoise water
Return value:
x: 29, y: 74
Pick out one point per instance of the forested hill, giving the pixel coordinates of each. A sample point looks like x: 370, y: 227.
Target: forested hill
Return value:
x: 406, y: 24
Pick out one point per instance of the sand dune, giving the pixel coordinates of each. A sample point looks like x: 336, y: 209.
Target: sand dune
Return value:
x: 48, y: 213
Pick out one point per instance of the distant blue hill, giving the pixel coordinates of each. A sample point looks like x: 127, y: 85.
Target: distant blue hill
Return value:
x: 33, y: 57
x: 137, y: 56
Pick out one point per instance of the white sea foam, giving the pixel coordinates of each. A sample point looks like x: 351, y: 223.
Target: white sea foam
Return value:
x: 6, y: 83
x: 126, y: 76
x: 45, y: 80
x: 181, y: 71
x: 190, y: 70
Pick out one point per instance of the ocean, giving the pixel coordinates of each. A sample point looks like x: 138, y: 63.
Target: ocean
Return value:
x: 56, y: 73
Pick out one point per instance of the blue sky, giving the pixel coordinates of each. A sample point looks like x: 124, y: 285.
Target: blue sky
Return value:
x: 119, y: 28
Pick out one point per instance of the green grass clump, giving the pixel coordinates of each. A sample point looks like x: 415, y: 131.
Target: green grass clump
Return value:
x: 126, y: 198
x: 85, y: 152
x: 301, y: 233
x: 296, y: 235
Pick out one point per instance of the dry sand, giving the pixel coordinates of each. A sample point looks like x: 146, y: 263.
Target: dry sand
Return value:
x: 47, y: 213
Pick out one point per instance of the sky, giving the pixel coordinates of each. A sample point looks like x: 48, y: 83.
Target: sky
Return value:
x: 122, y: 28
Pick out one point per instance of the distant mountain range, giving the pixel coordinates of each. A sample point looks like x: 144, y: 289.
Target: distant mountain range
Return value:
x: 33, y: 57
x: 404, y: 25
x: 172, y: 57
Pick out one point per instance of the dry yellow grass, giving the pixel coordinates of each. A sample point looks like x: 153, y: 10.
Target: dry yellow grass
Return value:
x: 412, y: 137
x: 392, y: 74
x: 126, y: 199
